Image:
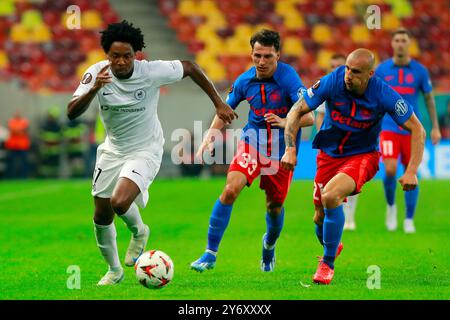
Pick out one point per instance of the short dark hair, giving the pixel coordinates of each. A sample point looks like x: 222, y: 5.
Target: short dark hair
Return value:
x: 267, y: 38
x: 401, y: 30
x: 123, y: 32
x: 338, y: 56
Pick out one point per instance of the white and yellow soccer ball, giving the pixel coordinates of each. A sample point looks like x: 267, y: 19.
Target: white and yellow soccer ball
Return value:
x: 154, y: 269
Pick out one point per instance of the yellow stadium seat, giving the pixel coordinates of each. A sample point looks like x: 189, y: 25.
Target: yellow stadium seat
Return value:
x: 214, y: 45
x: 414, y: 49
x: 214, y: 70
x: 3, y: 59
x: 237, y: 46
x: 389, y: 21
x: 343, y: 9
x: 294, y: 20
x: 206, y: 7
x: 321, y: 33
x: 216, y: 20
x: 323, y: 58
x: 95, y: 56
x: 81, y: 69
x: 217, y: 72
x: 91, y: 20
x: 188, y: 8
x: 293, y: 46
x: 284, y: 7
x: 204, y: 58
x: 360, y: 34
x: 19, y: 33
x: 205, y: 32
x: 41, y: 33
x: 243, y: 31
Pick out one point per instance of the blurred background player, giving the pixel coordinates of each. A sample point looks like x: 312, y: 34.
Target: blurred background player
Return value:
x: 338, y: 60
x: 270, y: 87
x: 50, y: 144
x: 348, y: 141
x: 18, y: 146
x: 408, y: 77
x: 129, y: 159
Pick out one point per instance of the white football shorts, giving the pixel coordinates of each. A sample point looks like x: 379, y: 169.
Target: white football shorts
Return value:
x: 141, y: 169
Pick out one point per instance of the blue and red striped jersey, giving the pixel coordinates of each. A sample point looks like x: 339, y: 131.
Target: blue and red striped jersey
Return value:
x: 352, y: 124
x: 408, y: 81
x: 273, y: 95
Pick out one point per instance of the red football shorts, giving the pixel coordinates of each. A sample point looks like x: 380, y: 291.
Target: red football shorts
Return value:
x: 360, y: 167
x: 394, y: 144
x: 275, y: 181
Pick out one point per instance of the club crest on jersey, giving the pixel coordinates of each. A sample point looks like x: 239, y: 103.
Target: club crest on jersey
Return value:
x: 86, y: 78
x: 139, y: 94
x: 275, y: 96
x: 401, y: 108
x: 365, y: 113
x: 300, y: 93
x: 409, y: 78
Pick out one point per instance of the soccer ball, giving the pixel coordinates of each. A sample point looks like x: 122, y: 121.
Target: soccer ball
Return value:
x: 154, y: 269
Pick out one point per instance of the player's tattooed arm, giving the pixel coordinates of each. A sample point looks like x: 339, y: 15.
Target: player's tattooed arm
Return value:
x: 431, y: 107
x: 293, y: 123
x: 409, y: 179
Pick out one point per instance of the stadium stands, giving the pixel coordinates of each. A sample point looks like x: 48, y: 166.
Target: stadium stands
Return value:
x: 218, y: 32
x: 38, y: 49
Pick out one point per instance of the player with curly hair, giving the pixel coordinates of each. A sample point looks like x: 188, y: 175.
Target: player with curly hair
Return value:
x: 129, y: 159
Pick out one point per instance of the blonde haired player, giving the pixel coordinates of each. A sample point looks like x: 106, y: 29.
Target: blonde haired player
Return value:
x: 338, y: 60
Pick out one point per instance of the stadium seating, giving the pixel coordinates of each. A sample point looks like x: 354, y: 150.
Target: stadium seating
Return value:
x: 311, y: 30
x: 39, y: 49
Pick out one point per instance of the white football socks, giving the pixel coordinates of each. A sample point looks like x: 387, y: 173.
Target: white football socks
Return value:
x: 106, y: 242
x: 350, y: 208
x: 133, y: 220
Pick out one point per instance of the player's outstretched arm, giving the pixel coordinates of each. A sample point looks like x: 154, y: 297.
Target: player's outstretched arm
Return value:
x: 78, y: 105
x: 223, y: 111
x: 293, y: 123
x: 409, y: 179
x: 431, y: 107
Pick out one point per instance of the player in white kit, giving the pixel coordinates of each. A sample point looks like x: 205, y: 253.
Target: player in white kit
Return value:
x: 129, y: 159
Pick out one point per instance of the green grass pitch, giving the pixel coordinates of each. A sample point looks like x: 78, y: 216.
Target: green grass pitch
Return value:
x: 46, y: 226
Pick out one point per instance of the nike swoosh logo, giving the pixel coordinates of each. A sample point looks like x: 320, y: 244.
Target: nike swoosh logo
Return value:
x: 107, y: 93
x: 136, y: 172
x: 337, y: 103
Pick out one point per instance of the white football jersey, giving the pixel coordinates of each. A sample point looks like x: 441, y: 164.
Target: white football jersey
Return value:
x: 128, y: 107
